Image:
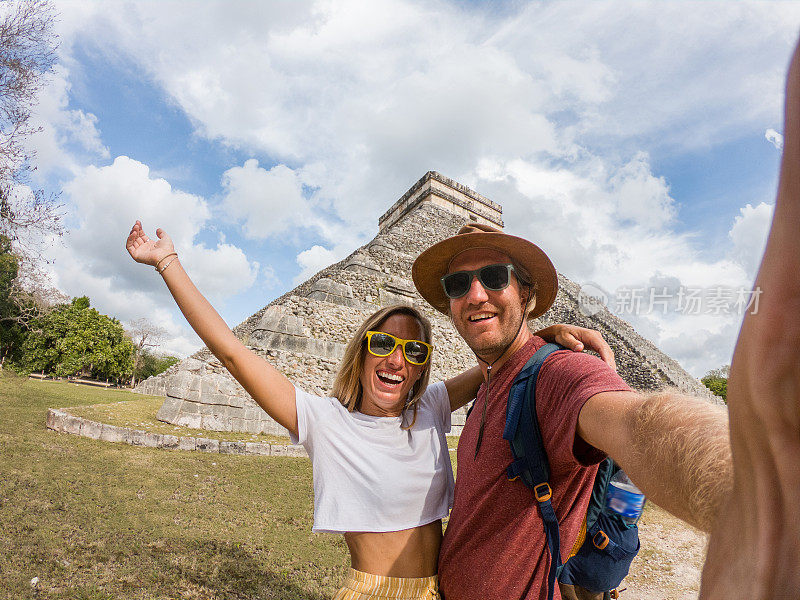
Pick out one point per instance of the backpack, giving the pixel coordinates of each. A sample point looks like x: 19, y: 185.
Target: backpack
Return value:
x: 606, y: 545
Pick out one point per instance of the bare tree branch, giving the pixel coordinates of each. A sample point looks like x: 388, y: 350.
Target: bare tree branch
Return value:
x: 27, y: 57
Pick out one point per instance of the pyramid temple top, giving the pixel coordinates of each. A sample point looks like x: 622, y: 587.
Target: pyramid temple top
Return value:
x: 448, y: 194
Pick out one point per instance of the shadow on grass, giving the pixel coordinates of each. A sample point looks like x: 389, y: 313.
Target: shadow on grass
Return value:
x: 228, y: 571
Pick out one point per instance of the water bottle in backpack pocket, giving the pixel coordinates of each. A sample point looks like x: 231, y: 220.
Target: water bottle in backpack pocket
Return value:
x: 624, y: 498
x: 609, y: 541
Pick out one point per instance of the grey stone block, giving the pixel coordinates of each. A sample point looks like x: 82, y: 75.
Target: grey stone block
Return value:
x: 252, y: 413
x: 55, y: 419
x: 187, y: 443
x: 361, y: 263
x: 294, y: 451
x: 192, y: 421
x: 190, y: 408
x: 169, y: 441
x: 271, y: 427
x: 237, y: 424
x: 191, y: 364
x: 170, y: 410
x: 257, y: 448
x: 215, y: 423
x: 153, y: 440
x: 177, y: 384
x: 193, y: 395
x: 251, y: 426
x: 206, y: 445
x: 91, y: 429
x: 232, y: 447
x: 72, y: 424
x: 111, y: 433
x: 135, y: 437
x: 227, y: 386
x: 208, y: 386
x: 236, y: 401
x: 214, y: 398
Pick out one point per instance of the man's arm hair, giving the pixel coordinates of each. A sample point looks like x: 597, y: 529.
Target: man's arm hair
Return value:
x: 675, y: 448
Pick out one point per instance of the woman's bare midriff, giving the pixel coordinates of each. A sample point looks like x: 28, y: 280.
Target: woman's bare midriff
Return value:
x: 408, y: 553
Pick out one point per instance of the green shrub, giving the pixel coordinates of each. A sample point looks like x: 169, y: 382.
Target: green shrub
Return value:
x: 717, y: 381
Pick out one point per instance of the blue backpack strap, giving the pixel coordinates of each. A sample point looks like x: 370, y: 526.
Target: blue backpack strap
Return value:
x: 530, y: 458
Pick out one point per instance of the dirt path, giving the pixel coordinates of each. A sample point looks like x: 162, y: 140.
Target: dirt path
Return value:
x: 669, y: 564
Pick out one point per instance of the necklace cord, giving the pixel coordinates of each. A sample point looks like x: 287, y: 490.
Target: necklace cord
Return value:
x: 489, y: 371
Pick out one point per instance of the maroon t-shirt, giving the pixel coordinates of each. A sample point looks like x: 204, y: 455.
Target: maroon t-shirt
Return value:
x: 495, y: 545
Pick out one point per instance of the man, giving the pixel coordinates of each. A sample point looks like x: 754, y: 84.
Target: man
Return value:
x: 676, y: 449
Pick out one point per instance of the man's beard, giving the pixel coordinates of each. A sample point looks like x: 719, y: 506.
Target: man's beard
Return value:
x: 490, y: 350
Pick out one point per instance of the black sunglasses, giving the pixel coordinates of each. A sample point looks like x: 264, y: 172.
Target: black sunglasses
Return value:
x: 492, y: 277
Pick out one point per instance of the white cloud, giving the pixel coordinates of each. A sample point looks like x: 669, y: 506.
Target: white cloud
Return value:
x: 599, y: 222
x: 774, y: 138
x: 67, y: 136
x: 104, y: 203
x: 317, y: 258
x: 700, y: 349
x: 269, y: 202
x: 749, y: 235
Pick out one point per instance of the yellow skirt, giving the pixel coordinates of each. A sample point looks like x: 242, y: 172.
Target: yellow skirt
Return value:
x: 364, y: 586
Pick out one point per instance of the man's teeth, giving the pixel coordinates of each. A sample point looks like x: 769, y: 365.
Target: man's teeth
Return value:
x: 480, y: 316
x: 390, y: 376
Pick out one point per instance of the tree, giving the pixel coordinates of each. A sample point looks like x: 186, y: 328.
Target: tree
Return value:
x: 25, y: 295
x: 12, y: 332
x: 27, y: 56
x: 151, y: 364
x: 144, y: 334
x: 716, y: 380
x: 75, y: 339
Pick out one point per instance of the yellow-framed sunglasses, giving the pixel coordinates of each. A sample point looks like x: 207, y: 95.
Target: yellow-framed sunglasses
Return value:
x: 383, y: 344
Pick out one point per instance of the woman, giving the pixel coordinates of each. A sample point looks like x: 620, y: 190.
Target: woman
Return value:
x: 382, y: 473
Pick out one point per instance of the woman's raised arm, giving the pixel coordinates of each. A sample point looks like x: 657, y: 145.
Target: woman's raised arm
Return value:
x: 265, y: 384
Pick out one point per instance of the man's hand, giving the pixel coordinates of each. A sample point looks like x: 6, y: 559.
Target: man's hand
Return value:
x: 577, y: 338
x: 146, y: 251
x: 754, y: 551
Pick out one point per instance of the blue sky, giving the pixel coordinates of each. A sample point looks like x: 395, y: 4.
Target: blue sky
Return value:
x: 626, y: 138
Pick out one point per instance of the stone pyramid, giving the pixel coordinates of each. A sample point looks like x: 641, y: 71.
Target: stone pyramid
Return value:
x: 303, y: 332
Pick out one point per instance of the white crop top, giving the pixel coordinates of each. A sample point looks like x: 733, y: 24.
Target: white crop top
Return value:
x: 371, y: 475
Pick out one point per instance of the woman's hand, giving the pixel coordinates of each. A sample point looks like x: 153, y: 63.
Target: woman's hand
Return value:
x: 577, y: 339
x: 146, y: 251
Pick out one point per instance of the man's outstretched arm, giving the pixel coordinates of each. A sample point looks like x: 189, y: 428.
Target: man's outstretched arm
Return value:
x: 754, y: 551
x: 675, y: 448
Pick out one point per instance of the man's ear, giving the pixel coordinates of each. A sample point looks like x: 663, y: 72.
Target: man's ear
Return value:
x: 523, y: 296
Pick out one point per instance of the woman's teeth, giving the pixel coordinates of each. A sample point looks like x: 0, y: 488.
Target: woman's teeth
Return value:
x: 390, y: 377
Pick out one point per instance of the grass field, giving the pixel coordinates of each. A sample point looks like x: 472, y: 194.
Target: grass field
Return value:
x: 94, y: 520
x: 98, y: 521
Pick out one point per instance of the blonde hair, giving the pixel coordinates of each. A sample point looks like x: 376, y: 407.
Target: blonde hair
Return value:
x: 347, y: 385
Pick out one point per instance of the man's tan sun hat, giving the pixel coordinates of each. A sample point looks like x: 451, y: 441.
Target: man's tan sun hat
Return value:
x: 432, y: 264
